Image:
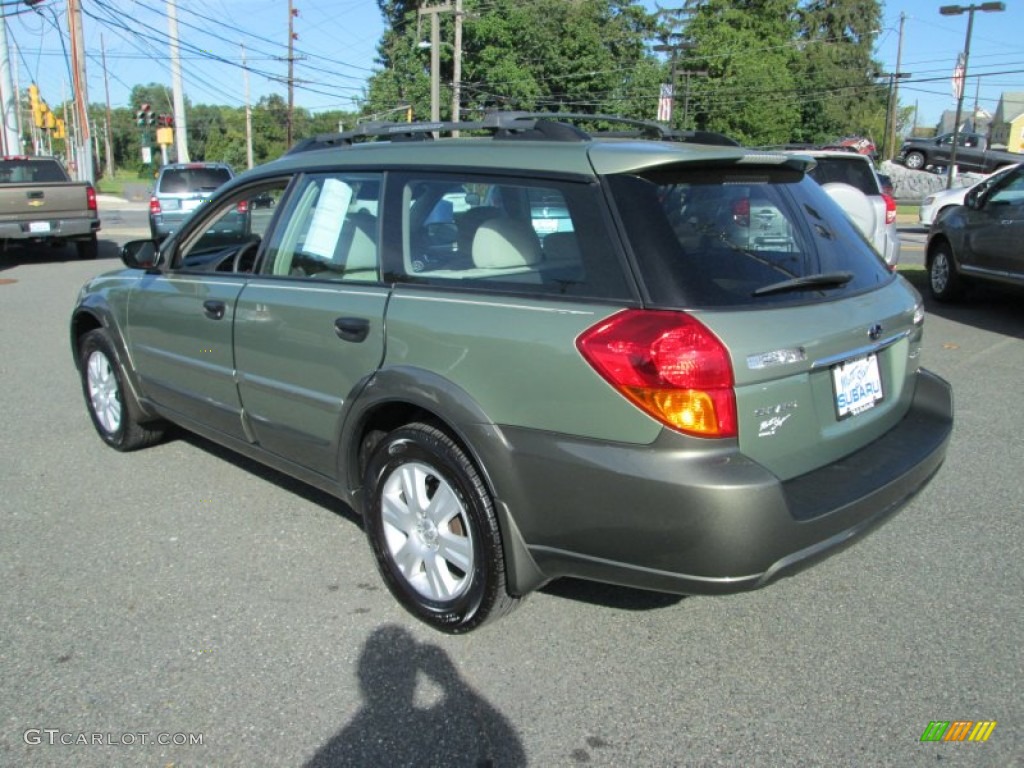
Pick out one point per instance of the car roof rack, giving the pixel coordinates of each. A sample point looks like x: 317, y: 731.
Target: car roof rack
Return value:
x: 523, y: 126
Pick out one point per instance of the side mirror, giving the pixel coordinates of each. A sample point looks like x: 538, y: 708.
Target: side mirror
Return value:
x: 140, y: 254
x: 975, y: 198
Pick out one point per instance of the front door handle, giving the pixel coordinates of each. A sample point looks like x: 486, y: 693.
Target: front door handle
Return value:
x: 352, y: 328
x: 214, y: 309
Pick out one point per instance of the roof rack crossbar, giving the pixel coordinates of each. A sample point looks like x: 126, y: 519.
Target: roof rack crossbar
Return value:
x: 505, y: 125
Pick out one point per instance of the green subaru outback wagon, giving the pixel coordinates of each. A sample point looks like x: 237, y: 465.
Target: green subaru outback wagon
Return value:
x: 533, y: 352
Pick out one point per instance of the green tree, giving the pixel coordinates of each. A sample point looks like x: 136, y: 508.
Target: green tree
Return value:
x: 838, y: 77
x: 582, y: 56
x: 744, y: 54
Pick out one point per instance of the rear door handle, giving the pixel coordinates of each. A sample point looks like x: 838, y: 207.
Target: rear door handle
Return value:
x: 214, y: 309
x: 352, y: 328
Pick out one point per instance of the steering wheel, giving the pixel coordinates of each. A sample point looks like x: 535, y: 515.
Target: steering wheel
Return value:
x: 238, y: 264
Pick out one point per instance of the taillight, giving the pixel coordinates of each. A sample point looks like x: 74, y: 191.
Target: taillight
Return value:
x: 741, y: 211
x: 154, y: 205
x: 90, y: 198
x: 890, y: 208
x: 668, y: 364
x: 243, y: 206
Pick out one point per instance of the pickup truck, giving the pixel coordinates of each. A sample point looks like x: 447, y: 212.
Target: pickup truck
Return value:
x: 972, y: 153
x: 40, y: 203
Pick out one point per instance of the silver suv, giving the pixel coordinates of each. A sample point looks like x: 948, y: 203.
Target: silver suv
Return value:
x: 180, y: 189
x: 851, y: 180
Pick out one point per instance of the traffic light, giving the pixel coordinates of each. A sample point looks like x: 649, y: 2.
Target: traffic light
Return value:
x: 144, y: 116
x: 58, y: 132
x: 36, y: 103
x: 165, y: 121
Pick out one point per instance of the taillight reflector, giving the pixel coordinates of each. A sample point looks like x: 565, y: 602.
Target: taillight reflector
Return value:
x: 670, y: 365
x: 90, y: 198
x: 890, y: 208
x: 243, y: 206
x: 154, y: 205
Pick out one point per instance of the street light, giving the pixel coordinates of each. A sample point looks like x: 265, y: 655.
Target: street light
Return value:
x: 956, y: 10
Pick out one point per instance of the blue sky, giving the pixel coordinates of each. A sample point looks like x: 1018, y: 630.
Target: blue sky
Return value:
x: 338, y: 38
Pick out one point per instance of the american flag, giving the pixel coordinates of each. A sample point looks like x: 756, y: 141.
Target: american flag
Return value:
x: 665, y: 103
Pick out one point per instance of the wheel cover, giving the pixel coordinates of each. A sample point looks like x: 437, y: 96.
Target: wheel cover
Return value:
x: 940, y: 272
x: 104, y: 396
x: 427, y: 531
x: 914, y: 160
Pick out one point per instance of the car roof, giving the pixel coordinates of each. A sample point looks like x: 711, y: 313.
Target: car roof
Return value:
x: 536, y: 143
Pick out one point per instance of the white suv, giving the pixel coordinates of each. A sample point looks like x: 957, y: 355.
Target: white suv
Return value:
x: 851, y: 180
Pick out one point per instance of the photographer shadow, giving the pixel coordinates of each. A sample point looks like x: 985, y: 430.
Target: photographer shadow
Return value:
x: 456, y: 728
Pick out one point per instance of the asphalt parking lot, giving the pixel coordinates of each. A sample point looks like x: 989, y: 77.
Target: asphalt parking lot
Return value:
x: 180, y: 606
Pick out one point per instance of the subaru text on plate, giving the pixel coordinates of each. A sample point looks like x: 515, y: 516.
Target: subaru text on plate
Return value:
x: 701, y: 379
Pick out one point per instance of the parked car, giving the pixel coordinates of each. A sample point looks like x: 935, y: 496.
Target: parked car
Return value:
x: 972, y: 153
x: 851, y: 179
x: 700, y: 380
x: 938, y: 203
x: 180, y: 189
x: 979, y: 241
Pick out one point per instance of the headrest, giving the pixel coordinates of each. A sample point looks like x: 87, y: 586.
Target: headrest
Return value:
x: 505, y: 243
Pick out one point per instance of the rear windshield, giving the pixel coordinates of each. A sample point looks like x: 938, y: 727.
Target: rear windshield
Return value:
x: 853, y: 171
x: 741, y: 238
x: 182, y: 180
x: 25, y: 171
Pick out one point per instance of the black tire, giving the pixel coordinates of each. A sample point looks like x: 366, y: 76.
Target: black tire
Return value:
x: 103, y: 385
x: 452, y: 574
x: 87, y: 249
x: 914, y: 161
x: 944, y: 280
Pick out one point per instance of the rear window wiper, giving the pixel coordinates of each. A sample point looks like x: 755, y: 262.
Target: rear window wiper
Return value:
x: 826, y: 280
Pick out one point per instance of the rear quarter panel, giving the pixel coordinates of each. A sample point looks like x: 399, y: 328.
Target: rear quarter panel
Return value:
x: 516, y: 357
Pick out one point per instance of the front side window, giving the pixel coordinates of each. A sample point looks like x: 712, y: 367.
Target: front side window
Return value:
x: 1009, y: 190
x: 229, y: 235
x: 329, y: 230
x: 497, y: 233
x: 729, y: 237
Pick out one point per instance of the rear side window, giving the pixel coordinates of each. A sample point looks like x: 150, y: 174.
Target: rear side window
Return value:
x: 750, y: 238
x: 855, y: 172
x: 184, y: 180
x: 504, y: 234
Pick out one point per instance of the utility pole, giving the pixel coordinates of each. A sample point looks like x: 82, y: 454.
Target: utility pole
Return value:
x: 894, y: 95
x: 435, y: 57
x: 8, y: 97
x: 292, y: 37
x: 106, y: 89
x: 248, y: 112
x: 457, y: 68
x: 83, y: 145
x: 180, y: 127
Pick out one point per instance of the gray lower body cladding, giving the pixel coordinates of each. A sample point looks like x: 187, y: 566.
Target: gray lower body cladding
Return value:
x: 673, y: 517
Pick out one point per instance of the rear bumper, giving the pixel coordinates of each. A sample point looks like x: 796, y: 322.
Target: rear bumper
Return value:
x: 674, y: 517
x: 49, y: 229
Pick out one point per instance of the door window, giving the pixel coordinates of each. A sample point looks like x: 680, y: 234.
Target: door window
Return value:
x: 329, y: 230
x: 229, y: 235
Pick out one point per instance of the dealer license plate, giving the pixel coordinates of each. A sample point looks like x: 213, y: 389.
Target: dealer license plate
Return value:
x: 39, y: 226
x: 858, y: 386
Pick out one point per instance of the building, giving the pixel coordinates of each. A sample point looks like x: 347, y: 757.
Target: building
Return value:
x: 1008, y: 122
